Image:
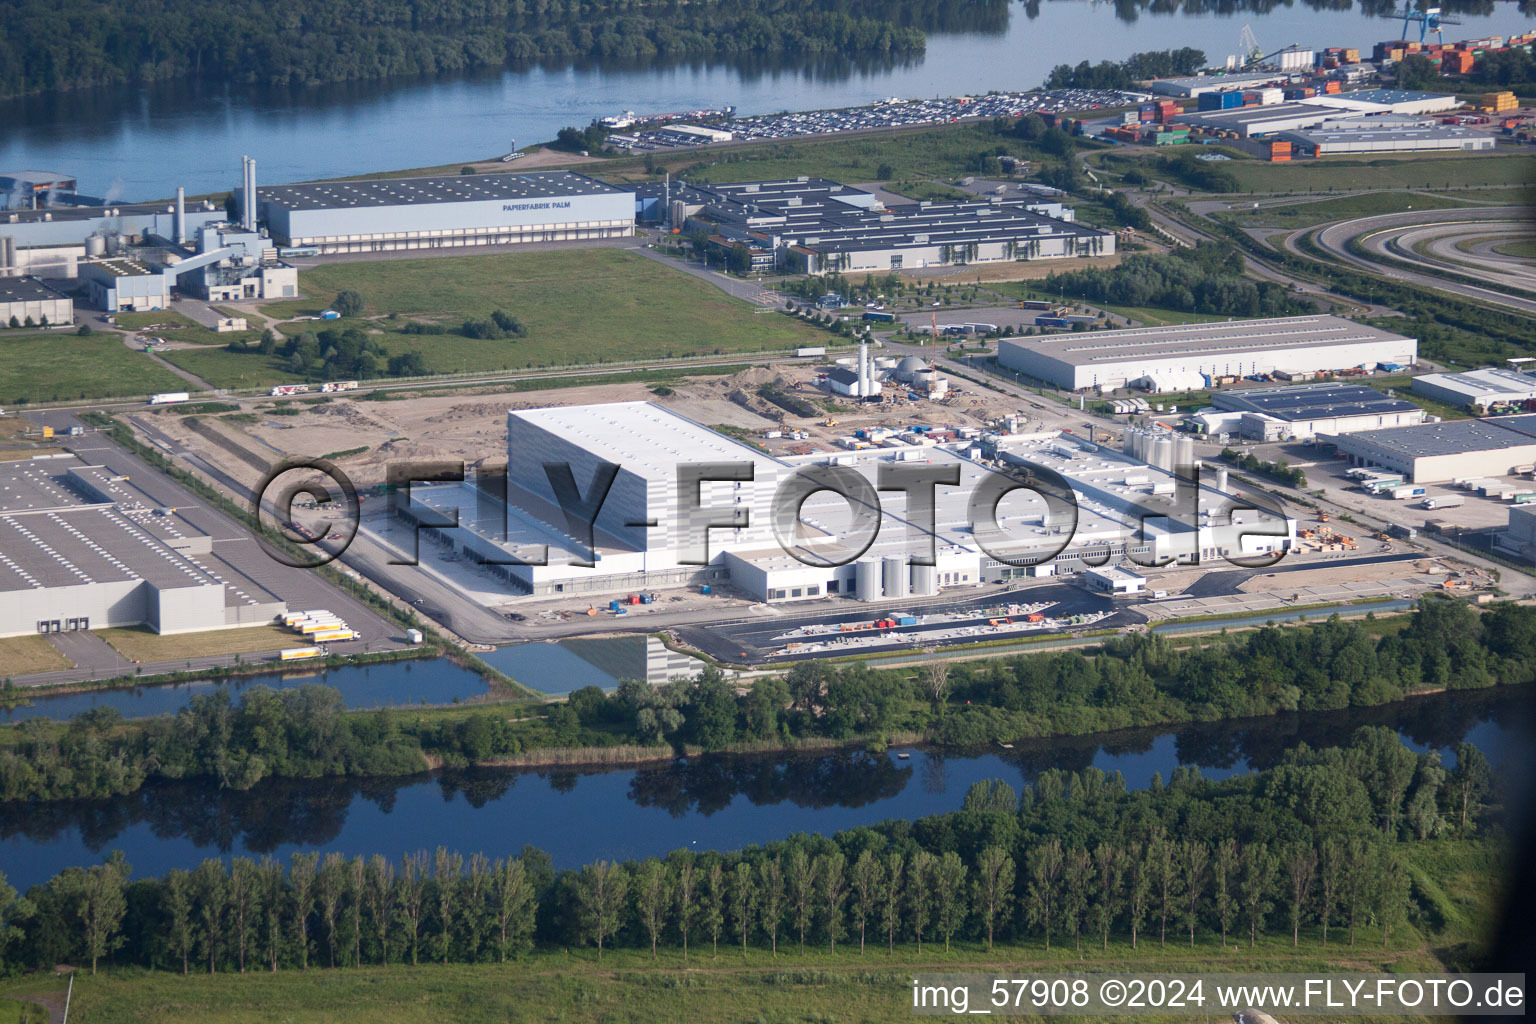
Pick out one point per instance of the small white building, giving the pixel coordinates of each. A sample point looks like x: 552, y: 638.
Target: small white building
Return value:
x: 27, y: 298
x: 1113, y: 580
x: 1483, y: 388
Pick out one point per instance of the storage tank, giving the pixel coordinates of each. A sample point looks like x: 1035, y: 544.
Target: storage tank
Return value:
x: 7, y: 252
x: 896, y: 577
x: 866, y: 583
x: 885, y: 363
x: 925, y: 580
x: 1183, y: 451
x: 95, y: 245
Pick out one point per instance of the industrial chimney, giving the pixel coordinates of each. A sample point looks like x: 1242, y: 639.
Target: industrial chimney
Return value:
x: 179, y: 225
x: 248, y: 200
x: 864, y: 385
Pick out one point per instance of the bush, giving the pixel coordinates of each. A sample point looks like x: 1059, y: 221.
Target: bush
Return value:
x: 348, y: 303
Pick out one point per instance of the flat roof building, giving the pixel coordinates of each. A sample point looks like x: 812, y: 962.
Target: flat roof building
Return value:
x: 445, y: 211
x: 646, y: 535
x: 815, y: 225
x: 26, y: 298
x: 1365, y: 135
x: 1477, y: 389
x: 1388, y: 101
x: 1300, y: 411
x: 1112, y: 359
x: 1248, y: 122
x: 81, y: 548
x: 1194, y: 85
x: 1454, y: 449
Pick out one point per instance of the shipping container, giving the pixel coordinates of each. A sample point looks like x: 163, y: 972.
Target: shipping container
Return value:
x: 169, y: 398
x: 413, y: 636
x: 879, y: 318
x: 1407, y: 491
x: 1052, y: 321
x: 1445, y: 501
x: 812, y: 352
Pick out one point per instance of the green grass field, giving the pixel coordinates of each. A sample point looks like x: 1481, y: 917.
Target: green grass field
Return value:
x: 1407, y: 170
x: 142, y: 645
x: 182, y: 328
x: 62, y: 367
x: 580, y: 307
x: 1524, y: 249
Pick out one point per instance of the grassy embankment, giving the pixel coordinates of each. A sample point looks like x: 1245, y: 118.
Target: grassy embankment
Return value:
x: 579, y: 306
x: 1456, y: 902
x: 25, y: 655
x: 63, y: 367
x: 140, y: 644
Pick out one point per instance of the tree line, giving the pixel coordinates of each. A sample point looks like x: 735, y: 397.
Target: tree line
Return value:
x: 1207, y: 278
x: 1138, y: 680
x: 1110, y: 74
x: 291, y: 43
x: 1320, y: 842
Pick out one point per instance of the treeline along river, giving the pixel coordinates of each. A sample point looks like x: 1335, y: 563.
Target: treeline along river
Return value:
x: 179, y: 108
x: 708, y: 802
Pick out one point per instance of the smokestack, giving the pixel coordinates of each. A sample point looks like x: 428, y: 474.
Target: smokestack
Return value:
x: 179, y: 225
x: 248, y: 206
x: 864, y: 387
x: 666, y: 193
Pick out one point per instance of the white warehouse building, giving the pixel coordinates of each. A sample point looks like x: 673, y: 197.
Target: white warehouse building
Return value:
x: 645, y: 537
x: 1108, y: 360
x: 445, y: 211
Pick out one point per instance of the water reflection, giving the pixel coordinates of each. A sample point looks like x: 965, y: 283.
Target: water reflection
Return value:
x: 715, y: 802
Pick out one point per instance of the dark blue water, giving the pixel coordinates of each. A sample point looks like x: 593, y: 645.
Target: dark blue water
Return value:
x: 139, y: 144
x: 712, y: 802
x: 363, y: 686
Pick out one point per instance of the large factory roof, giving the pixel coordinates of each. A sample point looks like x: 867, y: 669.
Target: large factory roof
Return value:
x: 26, y: 289
x: 49, y: 537
x: 1234, y: 336
x: 1311, y: 401
x: 639, y: 436
x: 1330, y: 134
x: 460, y: 188
x: 1242, y: 117
x: 1452, y: 437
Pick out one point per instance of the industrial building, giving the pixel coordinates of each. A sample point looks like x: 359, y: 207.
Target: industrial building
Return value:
x: 1248, y: 122
x: 24, y: 299
x: 445, y: 212
x: 1197, y: 84
x: 1107, y: 360
x: 648, y: 533
x: 1479, y: 390
x: 1388, y: 135
x: 814, y: 225
x: 82, y: 548
x: 1387, y: 101
x: 1300, y: 411
x: 30, y: 190
x: 1455, y: 449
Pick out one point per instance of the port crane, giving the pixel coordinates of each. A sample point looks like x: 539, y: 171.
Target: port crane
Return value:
x: 1430, y: 19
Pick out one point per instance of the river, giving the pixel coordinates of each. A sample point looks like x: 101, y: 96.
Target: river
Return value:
x: 139, y: 144
x: 715, y: 802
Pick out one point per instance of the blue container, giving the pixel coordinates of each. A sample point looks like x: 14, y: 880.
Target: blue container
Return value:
x: 1229, y: 100
x: 704, y: 588
x: 1210, y: 101
x: 613, y: 606
x: 907, y: 620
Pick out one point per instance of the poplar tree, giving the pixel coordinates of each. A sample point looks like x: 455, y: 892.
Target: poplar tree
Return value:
x: 994, y: 888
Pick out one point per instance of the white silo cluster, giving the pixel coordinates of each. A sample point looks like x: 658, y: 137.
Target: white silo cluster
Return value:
x: 1159, y: 447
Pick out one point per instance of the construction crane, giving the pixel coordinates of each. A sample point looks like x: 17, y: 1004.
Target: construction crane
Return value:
x: 1430, y: 19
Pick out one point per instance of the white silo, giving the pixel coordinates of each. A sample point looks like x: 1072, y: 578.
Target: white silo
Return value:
x: 896, y: 577
x: 925, y: 581
x: 867, y: 580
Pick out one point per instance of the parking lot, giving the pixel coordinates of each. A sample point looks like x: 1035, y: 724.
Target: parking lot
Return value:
x: 885, y: 114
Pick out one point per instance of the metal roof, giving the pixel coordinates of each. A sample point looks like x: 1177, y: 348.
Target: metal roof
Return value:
x: 1232, y: 336
x: 1311, y: 401
x: 26, y: 289
x: 1452, y: 437
x: 459, y: 188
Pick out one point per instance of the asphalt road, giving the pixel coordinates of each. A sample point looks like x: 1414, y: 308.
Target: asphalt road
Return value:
x: 1335, y: 238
